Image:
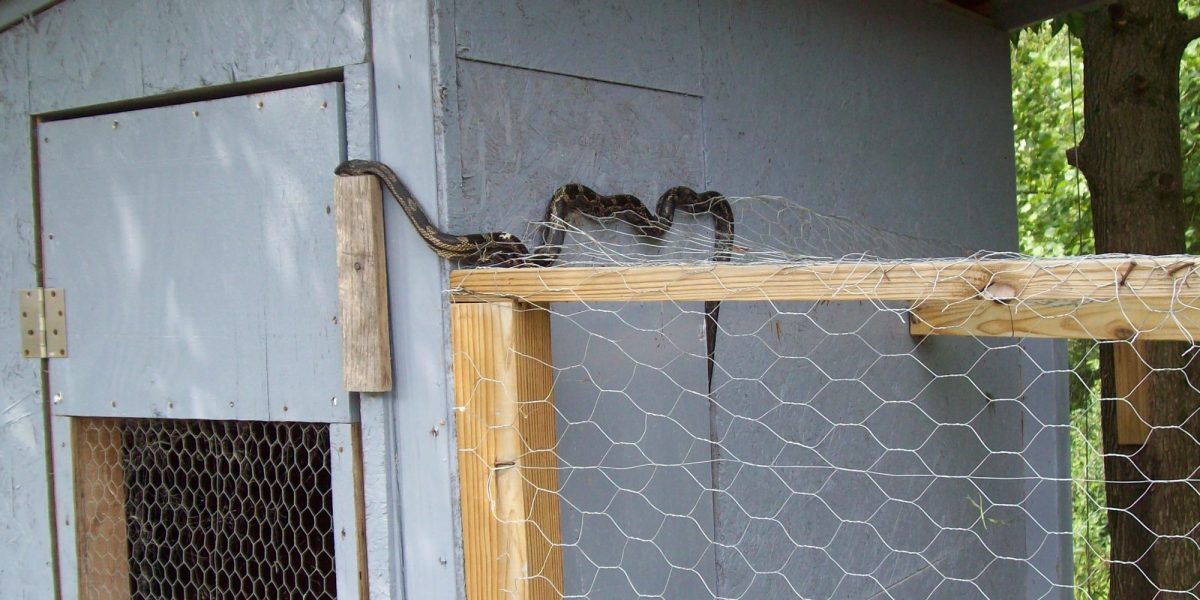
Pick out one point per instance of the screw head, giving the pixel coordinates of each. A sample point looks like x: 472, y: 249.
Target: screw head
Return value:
x: 58, y: 397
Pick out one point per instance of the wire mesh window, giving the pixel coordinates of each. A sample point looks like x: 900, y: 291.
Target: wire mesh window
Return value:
x: 204, y: 509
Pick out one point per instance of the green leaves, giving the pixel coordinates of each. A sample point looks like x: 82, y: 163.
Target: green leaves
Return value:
x: 1053, y: 206
x: 1054, y: 219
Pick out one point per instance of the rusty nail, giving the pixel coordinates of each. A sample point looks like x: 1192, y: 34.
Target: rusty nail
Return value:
x: 1177, y: 267
x: 1126, y: 271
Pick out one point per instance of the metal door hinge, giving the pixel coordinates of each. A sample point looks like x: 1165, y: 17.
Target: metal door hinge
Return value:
x: 43, y: 323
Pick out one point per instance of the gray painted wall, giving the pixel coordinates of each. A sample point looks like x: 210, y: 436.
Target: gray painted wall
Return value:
x: 25, y: 532
x: 892, y: 117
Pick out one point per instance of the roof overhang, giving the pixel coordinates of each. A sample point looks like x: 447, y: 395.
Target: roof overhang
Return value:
x: 1015, y: 14
x: 1006, y: 14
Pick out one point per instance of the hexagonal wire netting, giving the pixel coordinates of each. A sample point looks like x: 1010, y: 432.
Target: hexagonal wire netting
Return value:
x: 831, y: 454
x: 204, y: 509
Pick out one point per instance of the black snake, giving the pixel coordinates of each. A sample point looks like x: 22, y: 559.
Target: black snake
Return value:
x: 501, y: 249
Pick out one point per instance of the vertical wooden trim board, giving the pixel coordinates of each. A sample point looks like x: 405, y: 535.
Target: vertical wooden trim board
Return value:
x: 100, y: 509
x: 349, y: 528
x: 507, y: 466
x: 362, y: 284
x: 1130, y: 373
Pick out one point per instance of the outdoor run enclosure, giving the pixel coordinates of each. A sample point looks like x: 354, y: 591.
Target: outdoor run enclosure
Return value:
x: 810, y: 468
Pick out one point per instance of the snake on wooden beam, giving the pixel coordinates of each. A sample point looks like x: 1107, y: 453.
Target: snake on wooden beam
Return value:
x: 502, y: 249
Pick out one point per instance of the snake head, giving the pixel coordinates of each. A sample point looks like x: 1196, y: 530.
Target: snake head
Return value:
x: 500, y: 250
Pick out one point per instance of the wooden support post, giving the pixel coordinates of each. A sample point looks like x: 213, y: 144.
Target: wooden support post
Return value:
x: 100, y: 541
x: 1133, y: 392
x: 362, y: 285
x: 506, y: 437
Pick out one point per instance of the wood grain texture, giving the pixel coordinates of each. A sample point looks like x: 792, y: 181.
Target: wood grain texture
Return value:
x: 100, y: 540
x: 362, y: 285
x: 1112, y: 320
x: 507, y: 466
x: 360, y: 511
x: 1147, y: 278
x: 349, y: 511
x: 1133, y: 391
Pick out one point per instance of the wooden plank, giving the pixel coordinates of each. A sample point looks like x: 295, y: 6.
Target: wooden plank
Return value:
x: 360, y: 514
x: 345, y: 441
x: 1112, y: 320
x: 1130, y: 373
x: 362, y: 285
x: 1099, y: 279
x: 507, y: 465
x: 100, y: 510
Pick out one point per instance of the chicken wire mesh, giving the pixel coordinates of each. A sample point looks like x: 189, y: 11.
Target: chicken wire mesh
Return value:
x: 833, y: 454
x: 203, y: 509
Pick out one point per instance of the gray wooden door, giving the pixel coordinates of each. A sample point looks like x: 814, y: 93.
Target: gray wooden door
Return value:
x: 195, y: 243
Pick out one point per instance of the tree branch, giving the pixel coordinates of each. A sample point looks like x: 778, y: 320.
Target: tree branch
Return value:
x: 1190, y: 29
x: 1073, y: 156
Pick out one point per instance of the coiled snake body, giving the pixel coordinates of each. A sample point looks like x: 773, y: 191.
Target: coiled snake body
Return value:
x: 501, y: 249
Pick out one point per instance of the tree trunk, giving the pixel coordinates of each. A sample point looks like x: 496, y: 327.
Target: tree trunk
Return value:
x: 1131, y: 158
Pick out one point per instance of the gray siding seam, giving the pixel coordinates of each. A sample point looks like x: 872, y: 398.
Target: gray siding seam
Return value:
x: 40, y: 277
x: 703, y: 88
x: 199, y: 94
x: 579, y: 77
x: 447, y: 138
x: 43, y: 364
x: 446, y: 71
x: 15, y: 12
x: 718, y: 578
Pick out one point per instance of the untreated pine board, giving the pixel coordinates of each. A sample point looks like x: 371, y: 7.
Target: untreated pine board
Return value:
x: 1112, y: 320
x: 508, y: 477
x: 362, y: 285
x: 1130, y: 376
x: 100, y: 540
x: 1150, y: 278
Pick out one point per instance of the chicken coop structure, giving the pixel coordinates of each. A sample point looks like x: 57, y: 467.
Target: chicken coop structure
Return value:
x: 227, y: 381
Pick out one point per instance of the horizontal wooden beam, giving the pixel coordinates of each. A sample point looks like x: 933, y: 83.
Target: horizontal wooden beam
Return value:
x: 1076, y: 280
x: 1124, y: 319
